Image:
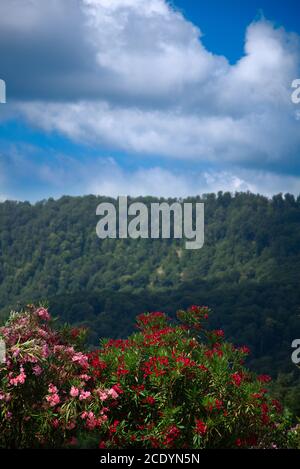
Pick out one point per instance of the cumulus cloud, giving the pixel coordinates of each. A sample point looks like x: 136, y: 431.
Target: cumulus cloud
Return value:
x: 59, y: 174
x: 134, y: 75
x: 121, y: 50
x: 149, y: 47
x: 112, y: 180
x: 209, y: 110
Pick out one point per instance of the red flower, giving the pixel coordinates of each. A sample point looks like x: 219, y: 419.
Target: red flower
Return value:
x: 201, y: 428
x: 202, y: 368
x: 276, y: 404
x: 117, y: 388
x: 151, y: 320
x: 75, y: 332
x: 245, y: 350
x: 185, y: 361
x: 149, y: 400
x: 216, y: 350
x: 265, y: 417
x: 199, y: 311
x: 218, y: 333
x: 122, y: 371
x: 154, y: 442
x: 138, y: 388
x: 218, y: 404
x: 113, y: 427
x: 264, y: 378
x: 237, y: 379
x: 173, y: 433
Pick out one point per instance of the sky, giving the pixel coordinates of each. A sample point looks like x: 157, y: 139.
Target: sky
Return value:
x: 148, y: 97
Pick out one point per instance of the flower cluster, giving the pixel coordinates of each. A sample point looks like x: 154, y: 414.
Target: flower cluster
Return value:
x: 45, y: 384
x: 163, y: 387
x: 182, y: 392
x: 194, y: 316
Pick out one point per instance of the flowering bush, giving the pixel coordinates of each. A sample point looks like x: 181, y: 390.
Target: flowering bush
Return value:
x: 176, y: 391
x: 45, y: 395
x: 166, y: 386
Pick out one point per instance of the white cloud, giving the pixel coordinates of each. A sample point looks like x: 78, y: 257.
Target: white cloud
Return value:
x: 113, y: 181
x: 207, y: 110
x: 158, y: 91
x: 258, y: 137
x: 63, y: 174
x: 149, y: 47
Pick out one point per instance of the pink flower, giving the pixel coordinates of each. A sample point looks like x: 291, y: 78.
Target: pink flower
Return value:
x: 91, y: 422
x: 16, y: 352
x: 84, y: 395
x: 81, y: 359
x: 53, y: 399
x: 52, y: 389
x: 45, y: 351
x: 73, y: 441
x: 103, y: 395
x: 71, y: 425
x: 55, y: 423
x: 43, y: 314
x: 20, y: 379
x: 37, y: 370
x: 85, y: 377
x: 112, y: 393
x: 5, y: 397
x: 74, y: 391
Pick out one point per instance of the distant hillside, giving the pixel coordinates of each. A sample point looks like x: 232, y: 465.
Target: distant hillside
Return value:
x: 248, y: 269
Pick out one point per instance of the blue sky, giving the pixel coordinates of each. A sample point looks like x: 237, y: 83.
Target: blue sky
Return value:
x: 148, y: 97
x: 230, y: 19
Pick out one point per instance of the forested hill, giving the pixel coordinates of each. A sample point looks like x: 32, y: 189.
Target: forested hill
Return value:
x: 248, y: 270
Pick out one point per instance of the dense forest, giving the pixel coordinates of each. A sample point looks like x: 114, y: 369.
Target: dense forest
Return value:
x: 248, y: 271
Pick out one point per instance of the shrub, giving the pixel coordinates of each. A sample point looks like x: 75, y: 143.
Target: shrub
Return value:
x: 166, y: 386
x: 176, y: 391
x: 45, y: 395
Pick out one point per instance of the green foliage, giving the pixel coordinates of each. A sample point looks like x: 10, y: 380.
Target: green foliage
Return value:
x: 247, y: 271
x: 44, y: 392
x: 170, y: 385
x: 182, y: 386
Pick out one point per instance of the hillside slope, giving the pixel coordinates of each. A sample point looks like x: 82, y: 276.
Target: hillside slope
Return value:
x: 248, y: 269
